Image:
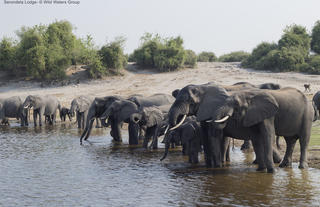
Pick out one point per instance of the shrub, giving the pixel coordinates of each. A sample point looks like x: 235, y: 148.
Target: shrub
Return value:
x: 7, y: 54
x: 96, y: 68
x: 284, y: 59
x: 315, y: 38
x: 170, y: 55
x: 296, y: 36
x: 257, y: 54
x: 237, y: 56
x: 207, y: 57
x: 163, y: 54
x: 312, y: 66
x: 190, y: 59
x: 112, y: 54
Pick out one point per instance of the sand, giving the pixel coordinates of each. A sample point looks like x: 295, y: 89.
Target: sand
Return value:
x: 146, y: 82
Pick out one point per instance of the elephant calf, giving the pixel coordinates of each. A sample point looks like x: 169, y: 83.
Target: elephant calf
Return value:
x: 189, y: 134
x: 65, y: 112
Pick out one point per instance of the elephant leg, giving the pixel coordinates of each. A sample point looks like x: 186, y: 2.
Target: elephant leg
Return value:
x: 206, y: 143
x: 116, y: 131
x: 268, y: 135
x: 225, y: 149
x: 304, y: 142
x: 246, y: 145
x: 215, y: 137
x: 133, y: 133
x: 35, y: 118
x: 98, y: 123
x: 287, y: 160
x: 154, y: 143
x: 276, y: 156
x: 78, y: 119
x: 258, y: 151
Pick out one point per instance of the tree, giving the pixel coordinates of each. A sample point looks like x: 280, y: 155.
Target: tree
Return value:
x: 315, y: 38
x: 296, y: 36
x: 7, y: 54
x: 207, y: 57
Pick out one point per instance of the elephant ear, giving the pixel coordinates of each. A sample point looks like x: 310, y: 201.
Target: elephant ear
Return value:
x: 175, y: 93
x: 214, y: 98
x: 153, y: 116
x: 124, y: 109
x: 260, y: 107
x: 84, y: 105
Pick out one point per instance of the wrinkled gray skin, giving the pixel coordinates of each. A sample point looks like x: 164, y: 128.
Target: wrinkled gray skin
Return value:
x: 255, y: 114
x: 190, y: 135
x: 123, y: 109
x: 12, y: 108
x: 96, y: 109
x: 43, y: 106
x: 316, y: 104
x: 246, y: 85
x: 64, y: 112
x: 120, y: 111
x: 150, y: 120
x: 80, y: 107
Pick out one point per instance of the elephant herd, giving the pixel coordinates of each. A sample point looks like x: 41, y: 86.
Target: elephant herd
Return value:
x: 201, y: 118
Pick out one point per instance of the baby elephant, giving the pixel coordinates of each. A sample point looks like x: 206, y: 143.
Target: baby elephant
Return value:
x: 65, y: 112
x: 189, y: 134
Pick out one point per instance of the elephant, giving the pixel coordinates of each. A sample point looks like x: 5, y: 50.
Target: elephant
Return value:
x: 316, y: 104
x: 12, y: 108
x: 190, y: 135
x: 150, y: 120
x: 245, y: 85
x: 80, y: 107
x: 65, y: 112
x: 96, y: 109
x: 253, y: 114
x: 121, y: 111
x: 42, y: 105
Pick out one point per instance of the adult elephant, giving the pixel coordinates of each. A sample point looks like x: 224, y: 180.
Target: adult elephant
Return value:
x: 12, y: 108
x: 79, y: 108
x: 316, y: 103
x: 123, y: 109
x: 42, y: 106
x: 96, y: 109
x: 254, y: 114
x: 150, y: 120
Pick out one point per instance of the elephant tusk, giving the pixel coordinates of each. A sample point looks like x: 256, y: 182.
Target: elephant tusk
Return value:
x: 209, y: 121
x: 179, y: 124
x: 165, y: 132
x: 26, y: 106
x: 222, y: 120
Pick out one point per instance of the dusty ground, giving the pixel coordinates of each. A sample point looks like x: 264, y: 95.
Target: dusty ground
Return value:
x: 147, y: 82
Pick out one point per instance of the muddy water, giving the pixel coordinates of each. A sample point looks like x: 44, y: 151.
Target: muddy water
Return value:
x: 48, y: 167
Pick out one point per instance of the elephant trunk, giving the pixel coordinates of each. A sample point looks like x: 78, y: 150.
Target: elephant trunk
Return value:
x: 136, y: 118
x: 87, y: 131
x: 166, y: 150
x: 177, y: 112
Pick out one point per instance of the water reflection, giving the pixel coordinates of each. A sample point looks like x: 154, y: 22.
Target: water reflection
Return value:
x: 46, y: 166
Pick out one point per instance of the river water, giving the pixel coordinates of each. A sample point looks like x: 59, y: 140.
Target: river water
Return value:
x: 47, y: 167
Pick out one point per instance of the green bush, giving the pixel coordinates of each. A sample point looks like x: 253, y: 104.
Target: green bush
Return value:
x: 237, y: 56
x: 207, y: 57
x: 296, y: 36
x: 312, y: 66
x: 112, y: 54
x: 7, y: 54
x: 253, y: 61
x: 190, y: 59
x: 315, y: 38
x: 163, y: 54
x: 96, y: 68
x: 170, y: 56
